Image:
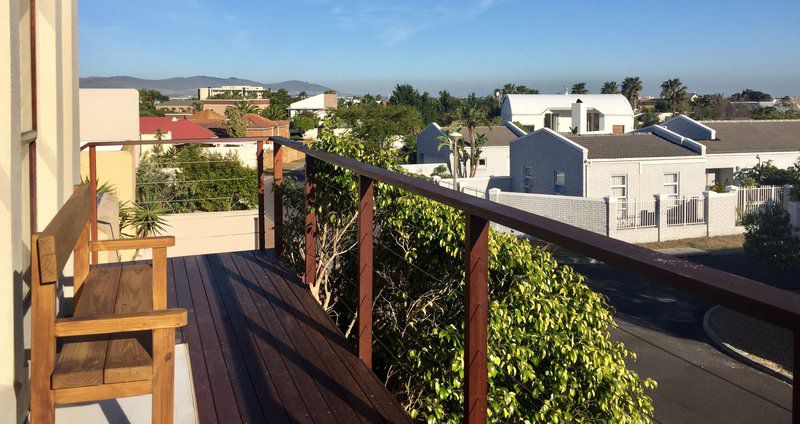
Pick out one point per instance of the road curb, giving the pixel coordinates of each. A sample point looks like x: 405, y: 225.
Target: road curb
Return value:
x: 739, y: 354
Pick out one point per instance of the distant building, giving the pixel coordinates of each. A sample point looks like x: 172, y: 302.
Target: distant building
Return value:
x: 494, y: 157
x: 181, y: 106
x: 171, y: 129
x: 243, y: 91
x: 568, y: 113
x: 319, y: 105
x: 219, y: 105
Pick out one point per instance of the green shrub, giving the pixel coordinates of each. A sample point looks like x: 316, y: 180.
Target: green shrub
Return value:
x: 551, y: 358
x: 304, y: 123
x: 770, y: 238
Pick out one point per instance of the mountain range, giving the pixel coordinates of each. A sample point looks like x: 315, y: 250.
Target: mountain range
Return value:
x: 187, y: 86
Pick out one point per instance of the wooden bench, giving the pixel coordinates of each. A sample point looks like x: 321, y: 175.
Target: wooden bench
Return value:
x: 120, y: 339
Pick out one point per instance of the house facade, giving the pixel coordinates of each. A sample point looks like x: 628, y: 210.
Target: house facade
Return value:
x: 318, y: 105
x: 637, y: 165
x: 245, y: 91
x: 570, y: 113
x: 219, y: 105
x: 494, y: 159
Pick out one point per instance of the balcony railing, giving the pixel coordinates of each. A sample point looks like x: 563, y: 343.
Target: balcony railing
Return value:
x: 762, y: 301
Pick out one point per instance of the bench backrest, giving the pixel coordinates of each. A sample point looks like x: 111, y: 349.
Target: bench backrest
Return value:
x: 68, y: 229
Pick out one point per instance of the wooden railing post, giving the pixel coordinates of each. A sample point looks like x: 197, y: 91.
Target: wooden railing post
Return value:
x: 476, y: 257
x: 262, y: 238
x: 93, y: 191
x: 277, y: 172
x: 365, y: 245
x: 311, y: 223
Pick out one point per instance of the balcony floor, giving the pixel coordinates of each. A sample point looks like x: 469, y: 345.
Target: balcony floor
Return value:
x: 262, y: 350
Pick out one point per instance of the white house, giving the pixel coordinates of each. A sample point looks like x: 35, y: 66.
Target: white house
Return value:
x: 733, y: 145
x: 636, y: 165
x: 319, y: 104
x: 494, y: 157
x: 568, y: 113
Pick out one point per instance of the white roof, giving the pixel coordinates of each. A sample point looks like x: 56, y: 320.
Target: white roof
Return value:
x: 309, y: 103
x: 537, y: 104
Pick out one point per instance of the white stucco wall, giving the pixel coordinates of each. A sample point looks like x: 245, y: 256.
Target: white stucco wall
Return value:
x: 645, y: 177
x: 109, y: 114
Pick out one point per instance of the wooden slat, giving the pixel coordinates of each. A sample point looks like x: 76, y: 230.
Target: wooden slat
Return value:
x: 120, y: 323
x: 381, y: 399
x: 60, y: 236
x: 43, y: 342
x: 132, y: 243
x: 103, y: 391
x: 159, y: 278
x: 80, y: 262
x: 217, y: 392
x: 81, y: 360
x: 206, y: 407
x: 128, y: 357
x: 163, y: 375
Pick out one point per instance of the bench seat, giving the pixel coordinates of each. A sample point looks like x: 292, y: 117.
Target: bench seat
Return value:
x: 116, y: 358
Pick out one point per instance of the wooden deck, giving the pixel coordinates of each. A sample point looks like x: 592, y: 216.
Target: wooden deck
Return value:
x: 262, y: 350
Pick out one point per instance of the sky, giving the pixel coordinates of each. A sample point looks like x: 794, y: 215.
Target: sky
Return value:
x: 460, y: 45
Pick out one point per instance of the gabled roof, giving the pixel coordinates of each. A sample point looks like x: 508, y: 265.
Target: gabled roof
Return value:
x: 630, y: 145
x: 496, y: 135
x: 754, y: 136
x: 181, y: 129
x: 537, y: 104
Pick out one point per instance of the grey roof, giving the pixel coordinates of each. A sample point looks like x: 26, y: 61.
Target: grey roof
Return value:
x: 753, y: 136
x: 496, y: 135
x: 630, y: 145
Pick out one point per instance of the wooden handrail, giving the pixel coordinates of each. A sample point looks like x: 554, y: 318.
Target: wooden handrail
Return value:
x: 121, y: 323
x: 136, y: 243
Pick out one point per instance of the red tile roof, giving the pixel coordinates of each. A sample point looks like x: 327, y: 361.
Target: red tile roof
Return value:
x: 181, y: 129
x: 258, y: 121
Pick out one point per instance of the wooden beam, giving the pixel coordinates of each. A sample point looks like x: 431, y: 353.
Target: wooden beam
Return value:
x: 121, y: 323
x: 365, y: 245
x: 43, y: 342
x: 133, y: 243
x: 58, y: 240
x: 93, y: 191
x: 163, y: 375
x: 102, y: 391
x: 476, y: 257
x: 262, y: 235
x: 160, y: 278
x: 311, y: 223
x: 277, y: 173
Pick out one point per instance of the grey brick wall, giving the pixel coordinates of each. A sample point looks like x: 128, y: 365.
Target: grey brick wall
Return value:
x: 589, y: 214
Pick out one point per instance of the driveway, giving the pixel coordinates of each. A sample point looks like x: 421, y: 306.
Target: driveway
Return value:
x: 696, y: 382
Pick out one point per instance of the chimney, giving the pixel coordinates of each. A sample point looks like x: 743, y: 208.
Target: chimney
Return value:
x: 579, y: 116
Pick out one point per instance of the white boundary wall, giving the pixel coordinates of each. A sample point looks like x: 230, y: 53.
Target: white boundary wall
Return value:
x: 198, y: 233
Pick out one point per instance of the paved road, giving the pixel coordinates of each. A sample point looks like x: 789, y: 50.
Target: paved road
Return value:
x: 696, y: 382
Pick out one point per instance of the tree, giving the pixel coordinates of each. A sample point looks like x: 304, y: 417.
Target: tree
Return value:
x: 548, y: 332
x: 235, y: 123
x: 245, y: 107
x: 148, y: 99
x: 750, y: 95
x: 302, y: 95
x: 275, y: 112
x: 280, y: 97
x: 579, y: 88
x: 471, y: 115
x: 631, y: 86
x: 648, y: 117
x: 517, y: 89
x: 159, y: 134
x: 610, y: 87
x: 375, y: 125
x: 770, y: 238
x: 305, y: 122
x: 406, y: 94
x: 674, y: 92
x: 709, y: 106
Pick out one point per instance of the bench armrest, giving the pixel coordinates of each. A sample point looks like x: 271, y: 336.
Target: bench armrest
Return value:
x: 121, y: 323
x: 132, y: 243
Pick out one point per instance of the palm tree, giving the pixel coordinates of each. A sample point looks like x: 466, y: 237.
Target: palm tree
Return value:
x: 673, y: 91
x: 274, y: 112
x: 579, y: 88
x: 159, y: 134
x: 610, y: 87
x: 631, y: 86
x: 471, y: 115
x: 246, y: 107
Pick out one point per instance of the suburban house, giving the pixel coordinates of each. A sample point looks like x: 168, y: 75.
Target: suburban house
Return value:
x: 170, y: 128
x: 180, y: 106
x: 733, y: 145
x: 219, y: 105
x: 569, y: 113
x: 494, y: 159
x: 624, y: 166
x: 245, y: 91
x: 319, y: 105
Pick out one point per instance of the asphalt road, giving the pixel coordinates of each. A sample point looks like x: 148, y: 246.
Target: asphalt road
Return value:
x: 696, y: 382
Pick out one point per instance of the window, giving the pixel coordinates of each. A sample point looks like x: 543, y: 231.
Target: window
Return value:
x: 671, y: 187
x: 527, y: 184
x: 619, y: 187
x: 481, y: 162
x: 592, y: 122
x: 551, y: 121
x: 527, y: 171
x: 558, y: 181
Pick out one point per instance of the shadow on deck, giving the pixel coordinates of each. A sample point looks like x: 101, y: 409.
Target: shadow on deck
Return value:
x: 262, y: 350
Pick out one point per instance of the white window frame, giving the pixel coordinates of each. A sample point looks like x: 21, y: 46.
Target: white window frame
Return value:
x: 484, y: 165
x: 623, y: 186
x: 676, y: 184
x: 527, y: 171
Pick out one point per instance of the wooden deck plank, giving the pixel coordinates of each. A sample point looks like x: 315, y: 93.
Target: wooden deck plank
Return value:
x: 336, y: 379
x: 369, y: 382
x: 221, y: 389
x: 267, y: 399
x: 296, y: 350
x: 183, y: 297
x: 301, y: 401
x: 172, y: 299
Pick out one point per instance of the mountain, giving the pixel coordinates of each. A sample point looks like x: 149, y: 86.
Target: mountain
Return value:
x: 187, y: 86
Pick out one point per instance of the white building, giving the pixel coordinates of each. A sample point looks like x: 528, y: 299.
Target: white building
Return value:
x: 494, y: 157
x: 246, y: 91
x: 563, y: 113
x: 319, y: 104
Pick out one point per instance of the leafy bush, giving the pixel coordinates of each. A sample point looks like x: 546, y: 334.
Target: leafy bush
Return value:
x: 550, y: 354
x: 304, y: 123
x: 190, y: 179
x: 770, y: 238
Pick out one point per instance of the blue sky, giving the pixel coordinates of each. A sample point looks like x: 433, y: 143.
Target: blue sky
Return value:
x: 468, y: 45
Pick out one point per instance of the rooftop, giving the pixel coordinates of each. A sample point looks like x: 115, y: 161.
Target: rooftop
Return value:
x: 496, y: 135
x: 537, y: 104
x: 753, y: 136
x: 630, y: 145
x: 180, y: 128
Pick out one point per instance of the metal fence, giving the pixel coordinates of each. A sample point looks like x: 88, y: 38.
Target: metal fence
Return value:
x: 685, y: 211
x: 752, y: 198
x: 632, y: 214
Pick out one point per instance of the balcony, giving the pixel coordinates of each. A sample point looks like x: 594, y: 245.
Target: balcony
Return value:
x: 261, y: 347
